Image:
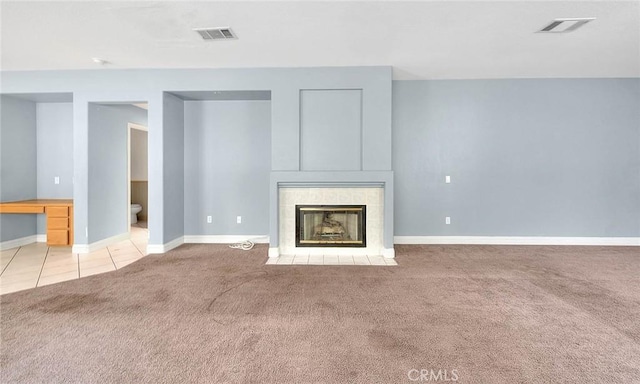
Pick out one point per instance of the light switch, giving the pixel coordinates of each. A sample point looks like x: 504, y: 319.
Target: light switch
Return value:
x: 209, y: 219
x: 239, y: 219
x: 447, y: 179
x: 447, y: 220
x: 56, y: 180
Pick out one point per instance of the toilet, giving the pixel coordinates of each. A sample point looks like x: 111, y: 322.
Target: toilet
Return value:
x: 135, y: 209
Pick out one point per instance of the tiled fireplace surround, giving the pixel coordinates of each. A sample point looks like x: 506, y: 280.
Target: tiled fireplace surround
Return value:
x: 371, y: 188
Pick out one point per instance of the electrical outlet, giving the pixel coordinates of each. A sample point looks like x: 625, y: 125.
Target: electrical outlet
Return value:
x: 56, y: 180
x: 209, y: 219
x: 447, y: 220
x: 447, y: 179
x: 239, y: 219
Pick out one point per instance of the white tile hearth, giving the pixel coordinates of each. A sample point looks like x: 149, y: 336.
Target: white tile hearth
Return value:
x: 331, y: 260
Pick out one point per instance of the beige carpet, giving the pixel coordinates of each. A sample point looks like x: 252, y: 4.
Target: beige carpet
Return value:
x: 209, y: 314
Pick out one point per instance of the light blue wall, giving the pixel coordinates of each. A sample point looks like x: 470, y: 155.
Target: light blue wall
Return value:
x: 375, y: 85
x: 526, y: 157
x: 227, y: 163
x: 17, y: 164
x: 54, y: 133
x: 156, y: 218
x: 173, y: 168
x: 108, y: 183
x: 165, y: 152
x: 284, y: 83
x: 331, y: 130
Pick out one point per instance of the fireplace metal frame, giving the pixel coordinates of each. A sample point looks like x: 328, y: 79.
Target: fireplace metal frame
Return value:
x: 362, y: 223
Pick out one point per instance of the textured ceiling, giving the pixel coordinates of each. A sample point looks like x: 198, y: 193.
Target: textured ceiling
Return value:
x: 421, y: 40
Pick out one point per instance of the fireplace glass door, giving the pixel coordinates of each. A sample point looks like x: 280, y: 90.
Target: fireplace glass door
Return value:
x: 331, y: 226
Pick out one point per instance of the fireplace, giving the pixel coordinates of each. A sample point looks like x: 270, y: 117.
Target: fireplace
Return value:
x: 331, y: 226
x: 373, y: 225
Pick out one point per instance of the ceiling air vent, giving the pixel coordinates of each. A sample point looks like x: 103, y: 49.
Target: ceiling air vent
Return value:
x: 566, y: 25
x: 221, y: 33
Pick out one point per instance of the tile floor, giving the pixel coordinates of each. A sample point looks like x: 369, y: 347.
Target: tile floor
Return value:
x: 36, y: 265
x: 330, y: 260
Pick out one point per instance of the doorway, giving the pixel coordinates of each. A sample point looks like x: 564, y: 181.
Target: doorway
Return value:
x: 138, y: 166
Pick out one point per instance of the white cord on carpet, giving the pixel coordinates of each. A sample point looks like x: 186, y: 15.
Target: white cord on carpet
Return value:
x: 245, y: 245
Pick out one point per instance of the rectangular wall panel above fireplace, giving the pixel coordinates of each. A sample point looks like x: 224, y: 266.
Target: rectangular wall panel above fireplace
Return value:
x: 331, y: 130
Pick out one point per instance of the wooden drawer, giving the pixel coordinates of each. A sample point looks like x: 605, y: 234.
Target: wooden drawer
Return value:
x: 58, y: 211
x: 57, y: 237
x: 21, y: 209
x: 57, y: 223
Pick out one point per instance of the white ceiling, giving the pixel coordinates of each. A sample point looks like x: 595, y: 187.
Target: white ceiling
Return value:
x: 421, y: 40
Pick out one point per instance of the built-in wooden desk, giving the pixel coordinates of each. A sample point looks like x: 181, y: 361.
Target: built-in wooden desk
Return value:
x: 59, y: 216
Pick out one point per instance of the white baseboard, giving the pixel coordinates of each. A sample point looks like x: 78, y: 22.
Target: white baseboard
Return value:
x: 88, y: 248
x: 40, y: 238
x: 205, y: 239
x: 518, y: 240
x: 226, y: 239
x: 274, y: 252
x: 18, y: 242
x: 166, y: 247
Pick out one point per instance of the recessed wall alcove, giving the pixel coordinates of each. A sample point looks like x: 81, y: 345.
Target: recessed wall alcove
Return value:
x: 37, y: 159
x: 227, y: 160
